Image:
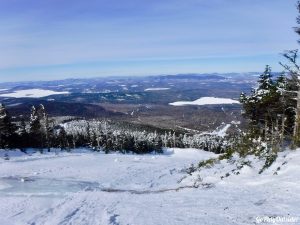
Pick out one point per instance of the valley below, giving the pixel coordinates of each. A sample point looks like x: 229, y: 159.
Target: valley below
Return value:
x: 154, y: 101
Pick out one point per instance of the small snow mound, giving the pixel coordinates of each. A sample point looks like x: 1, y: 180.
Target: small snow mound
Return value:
x: 116, y: 160
x: 168, y: 151
x: 188, y: 153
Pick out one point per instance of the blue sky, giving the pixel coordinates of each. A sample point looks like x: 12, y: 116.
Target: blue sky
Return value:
x: 56, y: 39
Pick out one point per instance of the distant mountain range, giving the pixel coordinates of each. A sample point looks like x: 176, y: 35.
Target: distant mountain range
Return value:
x: 200, y: 76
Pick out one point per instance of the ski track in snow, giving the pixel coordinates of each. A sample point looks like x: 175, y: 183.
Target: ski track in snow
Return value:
x: 96, y: 189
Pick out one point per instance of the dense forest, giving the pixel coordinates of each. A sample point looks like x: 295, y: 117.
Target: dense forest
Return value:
x: 40, y: 132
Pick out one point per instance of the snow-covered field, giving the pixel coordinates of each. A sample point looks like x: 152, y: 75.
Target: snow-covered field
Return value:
x: 86, y: 188
x: 206, y: 101
x: 32, y: 93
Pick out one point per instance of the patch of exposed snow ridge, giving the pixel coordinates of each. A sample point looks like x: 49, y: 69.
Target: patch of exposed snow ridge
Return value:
x: 221, y: 132
x: 206, y: 101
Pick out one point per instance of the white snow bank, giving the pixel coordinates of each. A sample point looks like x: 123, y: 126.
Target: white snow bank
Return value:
x: 32, y: 93
x: 206, y: 101
x: 188, y: 153
x: 284, y: 173
x: 11, y: 153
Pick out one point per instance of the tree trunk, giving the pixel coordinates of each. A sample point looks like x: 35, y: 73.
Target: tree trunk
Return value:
x: 282, y: 130
x: 266, y: 129
x: 296, y: 123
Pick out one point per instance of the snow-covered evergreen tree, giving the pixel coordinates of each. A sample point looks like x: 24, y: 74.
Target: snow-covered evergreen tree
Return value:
x: 271, y: 111
x: 63, y: 139
x: 45, y: 129
x: 7, y: 129
x: 23, y: 135
x: 35, y: 128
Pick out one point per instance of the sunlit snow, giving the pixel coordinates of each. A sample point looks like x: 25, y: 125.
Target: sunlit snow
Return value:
x: 156, y: 89
x: 95, y: 188
x: 206, y: 101
x: 32, y: 93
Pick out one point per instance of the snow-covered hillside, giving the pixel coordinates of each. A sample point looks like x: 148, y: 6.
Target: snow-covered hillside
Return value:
x: 86, y: 188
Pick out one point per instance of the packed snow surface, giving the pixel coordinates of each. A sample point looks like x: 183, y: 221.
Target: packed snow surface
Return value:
x: 86, y: 188
x: 32, y: 93
x: 206, y: 101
